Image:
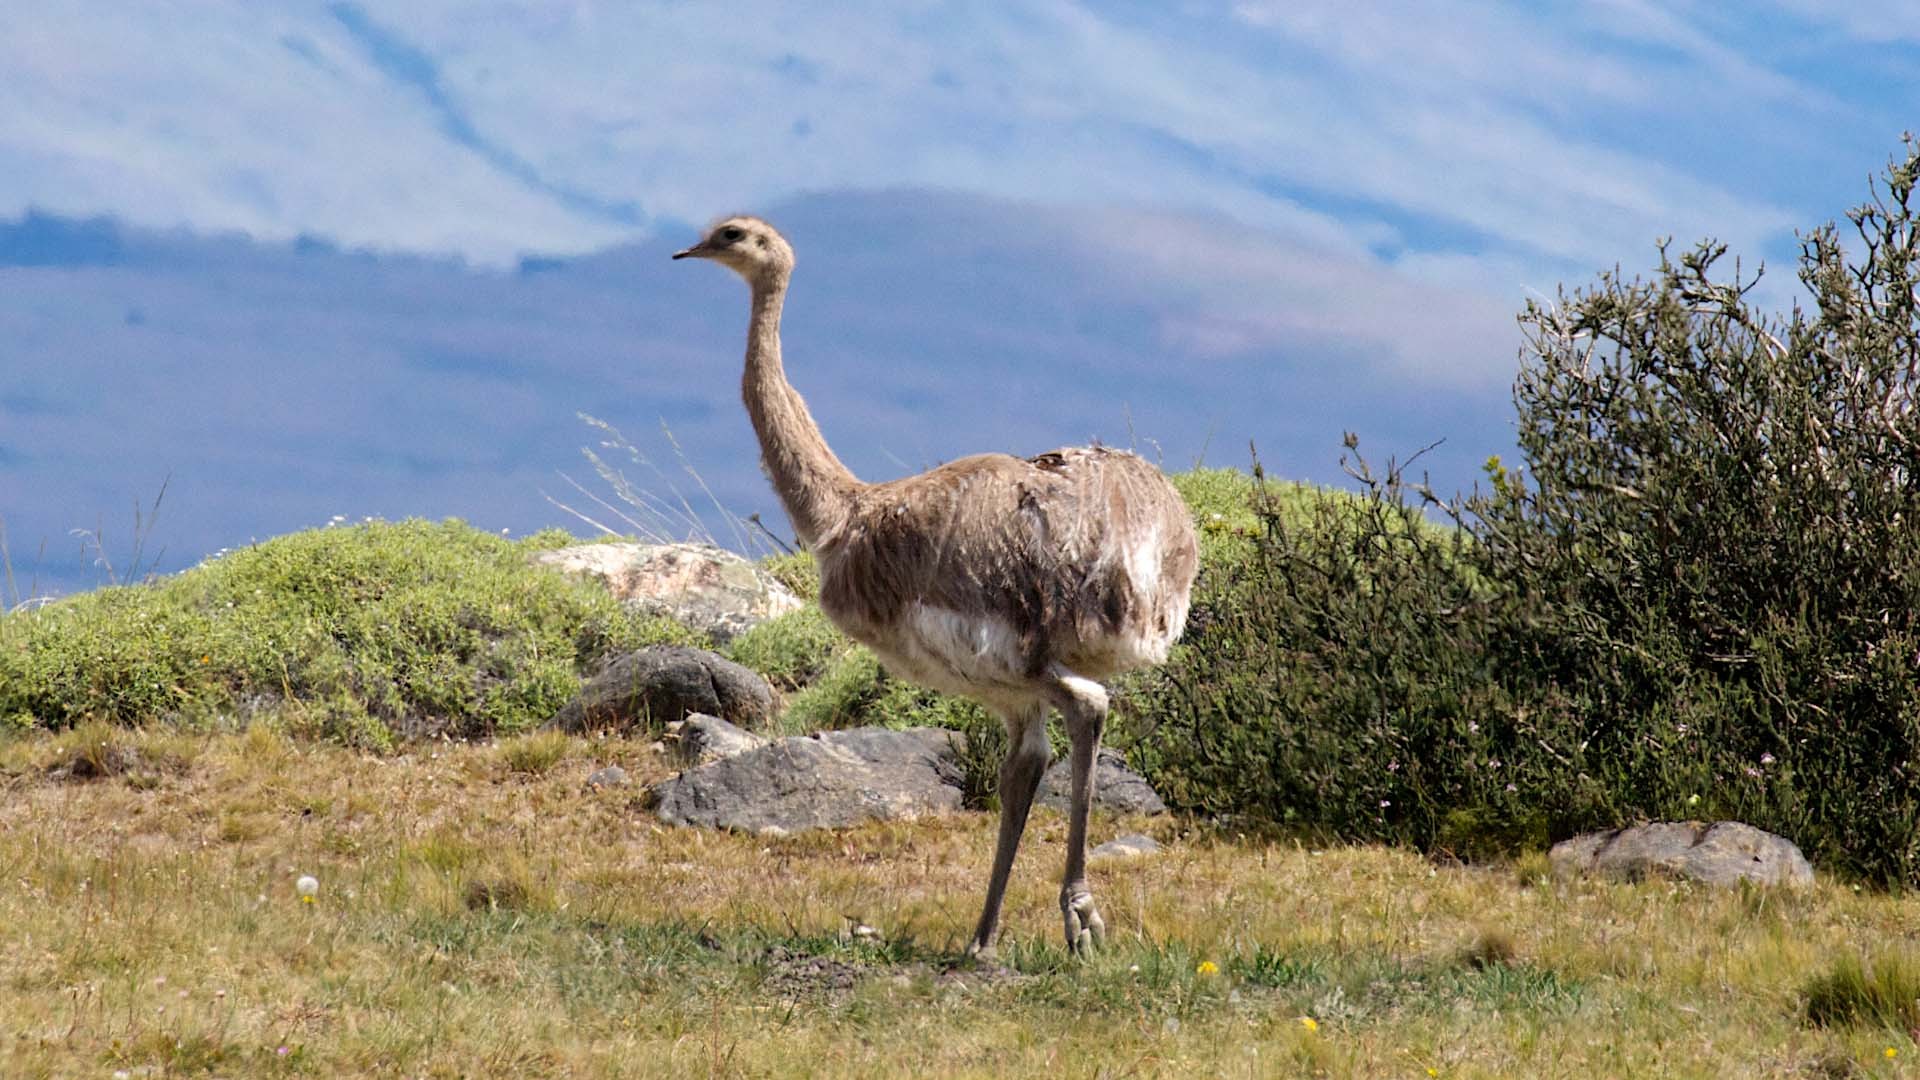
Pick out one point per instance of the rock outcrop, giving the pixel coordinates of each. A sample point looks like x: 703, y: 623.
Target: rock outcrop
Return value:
x: 703, y: 587
x: 823, y: 781
x: 1115, y: 787
x: 662, y: 684
x: 1721, y: 853
x: 837, y: 778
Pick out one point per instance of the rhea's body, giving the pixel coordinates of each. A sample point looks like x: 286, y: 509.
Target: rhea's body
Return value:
x: 977, y: 577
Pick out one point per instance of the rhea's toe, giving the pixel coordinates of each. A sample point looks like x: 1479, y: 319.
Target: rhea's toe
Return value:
x: 1085, y: 929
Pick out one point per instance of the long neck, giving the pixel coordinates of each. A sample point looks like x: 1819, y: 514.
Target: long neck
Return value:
x: 813, y: 485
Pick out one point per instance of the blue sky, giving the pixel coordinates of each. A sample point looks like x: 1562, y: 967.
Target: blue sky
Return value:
x: 369, y: 259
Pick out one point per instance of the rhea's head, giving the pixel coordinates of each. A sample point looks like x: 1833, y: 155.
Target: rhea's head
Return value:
x: 747, y: 246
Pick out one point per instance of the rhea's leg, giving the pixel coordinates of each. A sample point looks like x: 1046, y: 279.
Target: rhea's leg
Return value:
x: 1083, y: 708
x: 1020, y: 773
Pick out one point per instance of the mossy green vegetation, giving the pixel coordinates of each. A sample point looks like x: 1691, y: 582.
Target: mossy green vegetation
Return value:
x: 797, y: 572
x: 360, y: 633
x: 793, y: 651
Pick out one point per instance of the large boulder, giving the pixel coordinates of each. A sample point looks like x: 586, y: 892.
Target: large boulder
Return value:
x: 1115, y: 787
x: 702, y: 586
x: 662, y: 684
x: 822, y: 781
x: 1723, y: 853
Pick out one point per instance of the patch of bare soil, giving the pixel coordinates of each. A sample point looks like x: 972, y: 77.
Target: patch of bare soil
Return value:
x: 99, y: 762
x: 803, y: 976
x: 976, y: 975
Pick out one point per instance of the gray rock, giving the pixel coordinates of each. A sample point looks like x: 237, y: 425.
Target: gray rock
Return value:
x: 609, y: 776
x: 1130, y: 846
x: 660, y: 684
x: 704, y: 587
x: 1723, y: 853
x: 823, y: 781
x: 1115, y: 787
x: 700, y: 739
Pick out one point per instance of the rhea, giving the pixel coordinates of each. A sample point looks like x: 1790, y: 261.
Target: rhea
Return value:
x: 1021, y: 583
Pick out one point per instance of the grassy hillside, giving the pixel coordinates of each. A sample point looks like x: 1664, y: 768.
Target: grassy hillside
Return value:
x: 360, y: 634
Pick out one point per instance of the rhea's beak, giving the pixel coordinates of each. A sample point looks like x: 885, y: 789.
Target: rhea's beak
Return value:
x: 694, y: 252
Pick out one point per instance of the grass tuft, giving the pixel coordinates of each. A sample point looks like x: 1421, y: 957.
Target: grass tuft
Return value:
x: 791, y: 651
x: 1491, y: 947
x: 536, y: 754
x: 99, y: 751
x: 1885, y: 992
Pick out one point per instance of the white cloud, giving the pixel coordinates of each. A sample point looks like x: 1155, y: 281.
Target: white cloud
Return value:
x: 1221, y: 290
x: 1872, y: 23
x: 1482, y: 128
x: 206, y: 118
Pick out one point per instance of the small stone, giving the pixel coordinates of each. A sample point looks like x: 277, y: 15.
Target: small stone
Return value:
x: 1131, y: 846
x: 700, y: 739
x: 606, y: 777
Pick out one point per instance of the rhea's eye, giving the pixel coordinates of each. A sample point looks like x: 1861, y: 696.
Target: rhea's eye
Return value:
x: 731, y: 233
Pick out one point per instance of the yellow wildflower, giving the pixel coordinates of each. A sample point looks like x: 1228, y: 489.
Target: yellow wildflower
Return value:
x: 1309, y: 1023
x: 1208, y: 968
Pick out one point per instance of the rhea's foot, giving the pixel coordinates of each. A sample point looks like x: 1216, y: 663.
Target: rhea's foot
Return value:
x: 1085, y: 929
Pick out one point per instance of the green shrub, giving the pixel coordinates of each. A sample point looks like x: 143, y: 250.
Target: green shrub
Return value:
x: 1713, y: 540
x: 1334, y: 677
x: 796, y: 571
x: 790, y: 651
x: 1697, y: 596
x: 359, y: 634
x: 854, y: 690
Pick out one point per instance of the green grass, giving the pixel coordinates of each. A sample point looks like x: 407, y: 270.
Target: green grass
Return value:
x: 793, y: 650
x: 477, y: 919
x: 536, y: 753
x: 1883, y: 993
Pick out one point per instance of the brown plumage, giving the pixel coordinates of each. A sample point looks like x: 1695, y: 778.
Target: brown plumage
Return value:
x: 1019, y: 582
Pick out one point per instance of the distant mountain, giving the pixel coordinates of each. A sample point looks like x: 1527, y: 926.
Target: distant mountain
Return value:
x: 280, y: 385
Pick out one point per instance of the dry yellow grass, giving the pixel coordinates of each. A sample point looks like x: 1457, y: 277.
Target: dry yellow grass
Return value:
x: 476, y: 917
